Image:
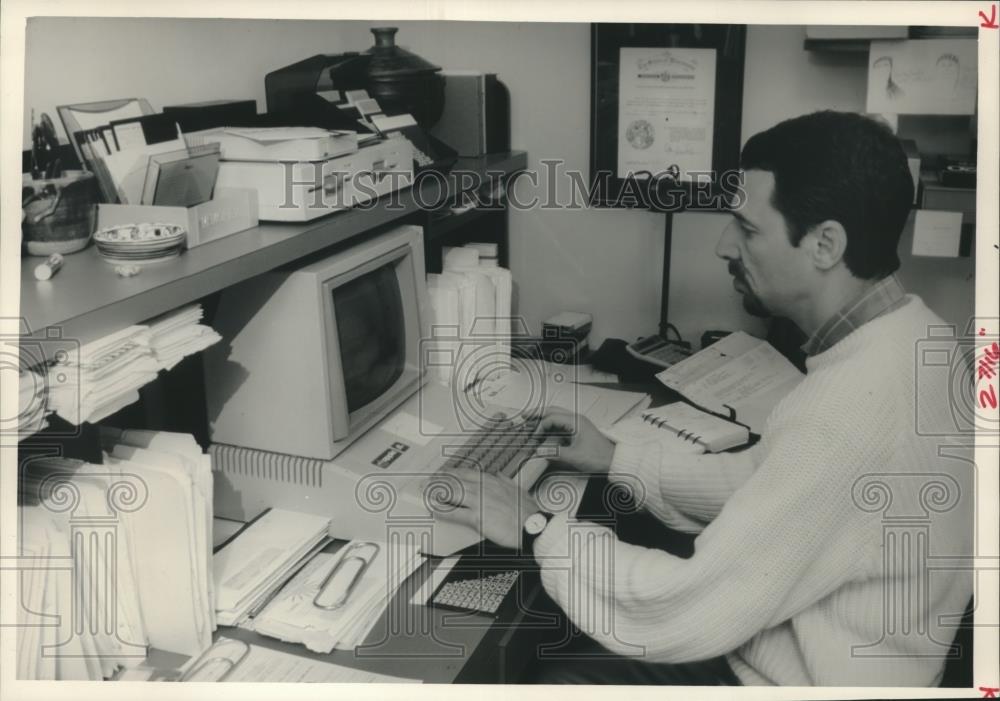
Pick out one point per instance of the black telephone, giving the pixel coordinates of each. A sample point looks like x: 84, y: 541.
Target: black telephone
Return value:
x: 659, y: 350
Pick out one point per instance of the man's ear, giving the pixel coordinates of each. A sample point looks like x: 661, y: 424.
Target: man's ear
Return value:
x: 828, y: 245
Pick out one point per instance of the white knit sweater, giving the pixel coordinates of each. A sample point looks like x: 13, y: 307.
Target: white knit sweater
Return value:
x: 801, y: 575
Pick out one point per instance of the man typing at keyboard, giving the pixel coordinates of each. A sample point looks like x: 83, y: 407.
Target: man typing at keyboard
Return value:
x: 798, y: 576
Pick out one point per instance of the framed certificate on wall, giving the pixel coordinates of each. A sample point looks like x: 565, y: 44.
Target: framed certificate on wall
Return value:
x: 666, y: 107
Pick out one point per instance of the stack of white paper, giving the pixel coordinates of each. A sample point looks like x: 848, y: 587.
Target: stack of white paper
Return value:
x: 171, y: 532
x: 128, y: 548
x: 48, y: 647
x: 88, y: 583
x: 294, y: 617
x: 104, y: 376
x: 178, y: 334
x: 257, y: 561
x: 174, y: 465
x: 101, y: 377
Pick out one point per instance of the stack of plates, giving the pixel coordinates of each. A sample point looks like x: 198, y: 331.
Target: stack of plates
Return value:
x: 140, y: 244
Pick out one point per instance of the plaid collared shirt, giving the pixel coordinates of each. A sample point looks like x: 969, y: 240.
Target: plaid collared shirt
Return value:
x: 881, y: 298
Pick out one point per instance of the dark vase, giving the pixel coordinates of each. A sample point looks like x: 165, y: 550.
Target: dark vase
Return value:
x: 401, y: 81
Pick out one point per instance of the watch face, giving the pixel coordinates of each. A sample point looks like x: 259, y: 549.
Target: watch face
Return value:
x: 535, y: 524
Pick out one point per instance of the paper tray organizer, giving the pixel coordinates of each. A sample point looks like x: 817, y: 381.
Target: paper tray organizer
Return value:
x: 229, y: 211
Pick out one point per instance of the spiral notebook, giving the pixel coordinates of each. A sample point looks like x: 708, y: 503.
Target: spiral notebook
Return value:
x: 712, y: 433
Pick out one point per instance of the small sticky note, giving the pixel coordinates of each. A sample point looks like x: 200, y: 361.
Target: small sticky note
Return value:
x: 937, y: 233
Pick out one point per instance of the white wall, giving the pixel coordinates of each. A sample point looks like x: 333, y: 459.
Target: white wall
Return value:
x: 606, y: 262
x: 783, y: 80
x: 167, y: 61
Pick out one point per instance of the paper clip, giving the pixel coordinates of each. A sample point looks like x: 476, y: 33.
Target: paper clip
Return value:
x: 347, y: 557
x: 226, y: 661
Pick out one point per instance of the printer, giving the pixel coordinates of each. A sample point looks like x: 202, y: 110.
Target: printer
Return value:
x: 301, y: 173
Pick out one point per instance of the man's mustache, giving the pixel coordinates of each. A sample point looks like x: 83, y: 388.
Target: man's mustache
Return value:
x: 736, y: 270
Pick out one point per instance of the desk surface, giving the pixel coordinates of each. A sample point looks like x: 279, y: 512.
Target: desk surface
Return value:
x: 422, y: 642
x: 87, y: 300
x: 435, y: 645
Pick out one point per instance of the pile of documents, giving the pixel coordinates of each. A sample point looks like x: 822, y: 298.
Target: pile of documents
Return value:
x: 122, y: 555
x: 178, y: 334
x: 47, y: 645
x: 336, y: 600
x: 99, y: 378
x: 738, y: 377
x: 173, y: 535
x: 250, y: 568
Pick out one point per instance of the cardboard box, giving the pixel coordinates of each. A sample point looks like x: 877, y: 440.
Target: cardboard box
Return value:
x: 230, y: 211
x: 952, y: 199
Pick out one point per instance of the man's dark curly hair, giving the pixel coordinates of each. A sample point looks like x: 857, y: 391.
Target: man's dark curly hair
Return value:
x: 844, y: 167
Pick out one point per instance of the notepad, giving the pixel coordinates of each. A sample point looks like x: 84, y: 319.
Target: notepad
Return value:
x: 690, y: 424
x: 737, y: 376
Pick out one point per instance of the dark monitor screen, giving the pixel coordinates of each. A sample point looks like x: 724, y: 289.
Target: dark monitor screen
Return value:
x: 372, y: 334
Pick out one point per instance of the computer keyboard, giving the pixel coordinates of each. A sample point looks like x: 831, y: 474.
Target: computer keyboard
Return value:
x: 484, y: 594
x: 500, y: 447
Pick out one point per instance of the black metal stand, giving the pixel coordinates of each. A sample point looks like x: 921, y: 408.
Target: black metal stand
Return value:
x: 668, y: 235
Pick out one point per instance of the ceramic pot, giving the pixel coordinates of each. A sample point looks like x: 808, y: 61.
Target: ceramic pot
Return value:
x: 401, y: 81
x: 58, y: 216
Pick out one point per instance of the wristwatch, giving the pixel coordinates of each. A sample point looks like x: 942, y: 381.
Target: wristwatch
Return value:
x: 533, y: 527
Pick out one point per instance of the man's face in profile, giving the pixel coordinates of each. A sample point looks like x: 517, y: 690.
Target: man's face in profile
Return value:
x: 767, y: 269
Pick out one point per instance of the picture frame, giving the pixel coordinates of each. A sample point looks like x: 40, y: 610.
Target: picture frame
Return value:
x: 692, y: 73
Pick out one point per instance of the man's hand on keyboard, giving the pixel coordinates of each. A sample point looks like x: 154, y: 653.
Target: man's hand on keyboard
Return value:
x: 581, y: 445
x: 495, y: 506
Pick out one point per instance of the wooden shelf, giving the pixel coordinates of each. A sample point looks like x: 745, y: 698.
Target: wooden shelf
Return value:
x: 861, y: 45
x: 87, y: 300
x: 854, y: 46
x: 438, y: 227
